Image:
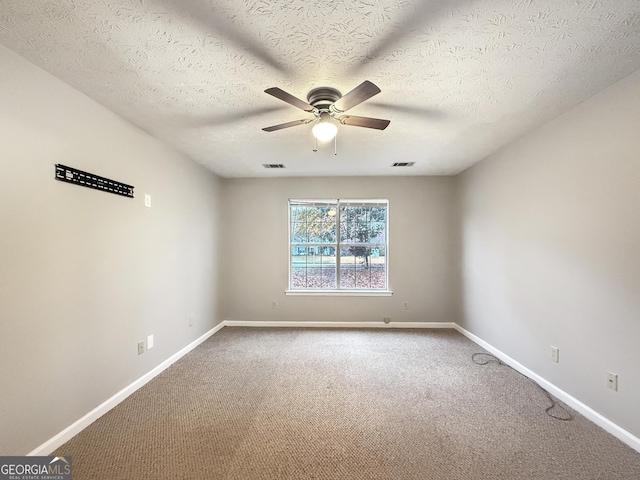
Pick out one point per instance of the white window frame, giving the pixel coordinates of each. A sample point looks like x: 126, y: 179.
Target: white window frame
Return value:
x: 340, y: 291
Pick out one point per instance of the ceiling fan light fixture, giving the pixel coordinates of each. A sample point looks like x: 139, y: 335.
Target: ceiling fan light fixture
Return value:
x: 327, y: 104
x: 324, y: 130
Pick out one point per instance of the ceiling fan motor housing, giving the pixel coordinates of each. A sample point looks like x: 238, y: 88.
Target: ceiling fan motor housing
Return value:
x: 323, y: 97
x: 326, y: 103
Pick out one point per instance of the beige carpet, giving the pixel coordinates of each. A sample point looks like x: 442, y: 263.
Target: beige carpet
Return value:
x: 253, y: 403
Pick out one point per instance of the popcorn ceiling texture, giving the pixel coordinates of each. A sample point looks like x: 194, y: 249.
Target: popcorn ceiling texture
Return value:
x: 459, y: 79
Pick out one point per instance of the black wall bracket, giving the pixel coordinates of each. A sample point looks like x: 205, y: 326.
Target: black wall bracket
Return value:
x: 85, y: 179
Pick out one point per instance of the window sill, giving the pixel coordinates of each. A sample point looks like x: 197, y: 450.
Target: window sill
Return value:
x: 340, y: 293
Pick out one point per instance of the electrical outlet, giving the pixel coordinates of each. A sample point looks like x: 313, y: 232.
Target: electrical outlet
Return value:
x: 147, y: 200
x: 274, y: 304
x: 612, y: 381
x: 140, y: 348
x: 387, y: 320
x: 405, y: 306
x: 149, y: 342
x: 191, y: 321
x: 555, y: 354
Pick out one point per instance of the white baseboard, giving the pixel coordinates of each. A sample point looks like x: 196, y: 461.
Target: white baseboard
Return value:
x: 65, y: 435
x: 76, y: 427
x: 273, y: 323
x: 603, y: 422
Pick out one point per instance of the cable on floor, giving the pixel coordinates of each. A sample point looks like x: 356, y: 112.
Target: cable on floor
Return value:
x: 489, y: 358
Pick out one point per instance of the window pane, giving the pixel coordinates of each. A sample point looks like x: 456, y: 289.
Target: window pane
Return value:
x: 347, y: 269
x: 316, y: 232
x: 362, y: 267
x: 313, y: 267
x: 353, y: 232
x: 363, y: 277
x: 361, y: 232
x: 331, y: 215
x: 378, y: 268
x: 312, y: 225
x: 299, y: 233
x: 362, y: 224
x: 327, y: 214
x: 330, y: 229
x: 325, y: 268
x: 298, y: 277
x: 378, y: 214
x: 377, y: 232
x: 329, y: 277
x: 344, y: 231
x: 297, y: 214
x: 298, y: 267
x: 321, y: 232
x: 346, y: 215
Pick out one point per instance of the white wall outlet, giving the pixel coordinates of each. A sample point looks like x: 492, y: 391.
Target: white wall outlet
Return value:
x: 387, y: 320
x: 149, y: 342
x: 191, y: 321
x: 140, y: 348
x: 274, y: 304
x: 405, y: 305
x: 147, y: 200
x: 612, y: 381
x: 555, y: 354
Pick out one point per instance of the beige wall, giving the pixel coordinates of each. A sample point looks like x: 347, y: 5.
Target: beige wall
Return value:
x: 551, y: 250
x: 85, y: 275
x: 422, y: 250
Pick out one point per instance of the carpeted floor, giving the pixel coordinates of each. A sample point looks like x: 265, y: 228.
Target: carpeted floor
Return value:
x: 254, y: 403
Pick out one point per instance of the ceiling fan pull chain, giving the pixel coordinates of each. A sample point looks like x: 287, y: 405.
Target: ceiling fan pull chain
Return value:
x: 315, y: 144
x: 335, y: 145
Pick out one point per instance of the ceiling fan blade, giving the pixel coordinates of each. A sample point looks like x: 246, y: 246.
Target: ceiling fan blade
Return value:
x: 367, y: 122
x: 355, y: 97
x: 290, y: 99
x: 273, y: 128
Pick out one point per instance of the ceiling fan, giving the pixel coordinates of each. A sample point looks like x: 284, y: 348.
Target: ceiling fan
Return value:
x: 328, y: 104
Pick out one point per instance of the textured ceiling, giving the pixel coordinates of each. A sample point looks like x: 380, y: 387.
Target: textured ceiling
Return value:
x: 459, y: 79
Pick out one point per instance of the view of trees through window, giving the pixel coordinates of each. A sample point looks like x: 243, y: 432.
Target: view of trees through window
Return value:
x: 338, y: 245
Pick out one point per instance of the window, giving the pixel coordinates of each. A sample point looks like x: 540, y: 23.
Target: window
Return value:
x: 338, y: 245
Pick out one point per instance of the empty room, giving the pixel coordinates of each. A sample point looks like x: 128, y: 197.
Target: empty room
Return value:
x: 292, y: 239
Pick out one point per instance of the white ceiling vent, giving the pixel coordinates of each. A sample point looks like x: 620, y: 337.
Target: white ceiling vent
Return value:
x: 403, y: 164
x: 273, y: 165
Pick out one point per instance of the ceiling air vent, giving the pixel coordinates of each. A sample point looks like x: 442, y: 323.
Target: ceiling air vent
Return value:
x: 403, y: 164
x: 273, y: 165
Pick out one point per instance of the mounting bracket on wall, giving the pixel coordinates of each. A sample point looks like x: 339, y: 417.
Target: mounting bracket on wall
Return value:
x: 85, y: 179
